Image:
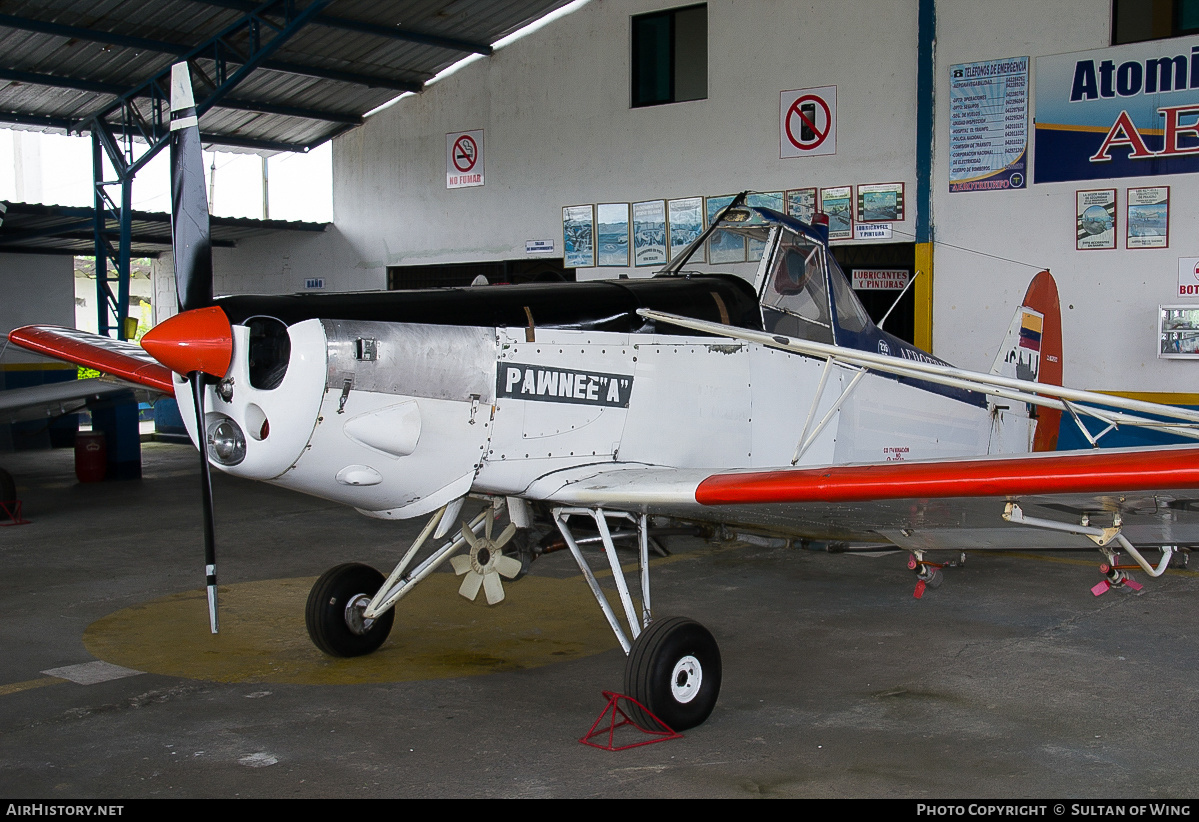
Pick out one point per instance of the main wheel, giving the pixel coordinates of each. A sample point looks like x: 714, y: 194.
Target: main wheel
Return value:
x: 673, y: 670
x: 334, y: 611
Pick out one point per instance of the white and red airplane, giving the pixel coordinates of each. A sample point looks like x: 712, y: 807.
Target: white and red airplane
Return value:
x: 777, y: 406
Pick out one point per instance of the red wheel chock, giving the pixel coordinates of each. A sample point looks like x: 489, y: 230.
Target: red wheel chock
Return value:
x: 614, y: 712
x: 12, y: 510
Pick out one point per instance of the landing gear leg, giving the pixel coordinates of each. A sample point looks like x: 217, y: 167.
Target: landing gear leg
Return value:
x: 673, y: 667
x: 341, y: 630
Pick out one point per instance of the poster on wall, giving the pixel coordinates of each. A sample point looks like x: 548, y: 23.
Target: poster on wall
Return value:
x: 1148, y: 220
x: 801, y: 204
x: 988, y: 125
x: 686, y: 218
x: 881, y: 203
x: 578, y: 236
x: 649, y: 232
x: 761, y: 199
x: 464, y: 159
x: 723, y: 246
x: 1124, y: 111
x: 837, y: 203
x: 1096, y: 219
x: 612, y: 234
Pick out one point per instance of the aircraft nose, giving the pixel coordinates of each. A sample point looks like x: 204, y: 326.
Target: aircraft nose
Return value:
x: 196, y: 340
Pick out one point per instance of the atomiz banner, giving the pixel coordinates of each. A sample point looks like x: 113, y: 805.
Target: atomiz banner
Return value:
x: 1126, y: 111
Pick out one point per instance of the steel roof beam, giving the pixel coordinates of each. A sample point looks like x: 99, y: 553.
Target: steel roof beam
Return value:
x: 362, y: 27
x: 98, y: 87
x: 87, y: 236
x: 167, y: 47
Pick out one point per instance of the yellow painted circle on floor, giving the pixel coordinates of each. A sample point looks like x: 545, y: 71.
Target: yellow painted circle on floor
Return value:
x: 437, y: 634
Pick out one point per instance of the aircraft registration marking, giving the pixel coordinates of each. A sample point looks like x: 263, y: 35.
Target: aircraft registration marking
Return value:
x: 535, y: 382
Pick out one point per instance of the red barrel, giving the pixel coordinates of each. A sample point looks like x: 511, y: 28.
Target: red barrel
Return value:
x: 91, y: 456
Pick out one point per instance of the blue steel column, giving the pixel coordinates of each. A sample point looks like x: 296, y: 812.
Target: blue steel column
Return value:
x: 98, y: 233
x: 925, y: 123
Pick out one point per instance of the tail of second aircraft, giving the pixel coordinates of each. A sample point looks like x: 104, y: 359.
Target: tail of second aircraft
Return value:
x: 1032, y: 350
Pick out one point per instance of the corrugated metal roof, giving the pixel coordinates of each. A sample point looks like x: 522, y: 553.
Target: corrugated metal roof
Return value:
x: 52, y: 229
x: 62, y: 61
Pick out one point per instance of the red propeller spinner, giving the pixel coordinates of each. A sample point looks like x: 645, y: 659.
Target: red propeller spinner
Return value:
x: 196, y: 340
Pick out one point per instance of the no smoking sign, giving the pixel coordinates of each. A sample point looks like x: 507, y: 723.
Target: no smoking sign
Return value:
x: 808, y: 122
x: 464, y: 159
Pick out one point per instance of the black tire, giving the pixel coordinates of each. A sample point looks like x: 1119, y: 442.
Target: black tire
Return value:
x: 330, y: 626
x: 660, y: 674
x: 520, y: 548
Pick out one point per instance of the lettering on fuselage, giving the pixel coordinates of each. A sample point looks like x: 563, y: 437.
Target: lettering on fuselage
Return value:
x: 536, y: 382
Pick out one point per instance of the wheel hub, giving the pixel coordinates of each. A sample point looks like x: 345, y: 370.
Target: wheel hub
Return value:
x: 355, y: 608
x: 686, y: 679
x: 482, y: 556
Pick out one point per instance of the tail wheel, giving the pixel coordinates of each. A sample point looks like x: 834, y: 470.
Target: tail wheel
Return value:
x: 673, y: 670
x: 334, y: 611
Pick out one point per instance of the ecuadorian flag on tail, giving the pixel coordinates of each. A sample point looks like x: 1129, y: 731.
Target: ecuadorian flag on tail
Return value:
x: 1030, y: 330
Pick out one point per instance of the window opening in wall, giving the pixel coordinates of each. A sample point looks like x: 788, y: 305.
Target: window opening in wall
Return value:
x: 670, y: 56
x: 1136, y: 20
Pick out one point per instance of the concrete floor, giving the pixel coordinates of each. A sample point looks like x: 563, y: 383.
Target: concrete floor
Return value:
x: 1011, y: 680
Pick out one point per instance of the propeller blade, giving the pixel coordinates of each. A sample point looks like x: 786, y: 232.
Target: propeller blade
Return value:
x: 507, y: 566
x: 461, y: 564
x: 493, y: 588
x: 508, y: 533
x: 470, y: 586
x: 190, y: 240
x: 469, y: 536
x: 197, y: 385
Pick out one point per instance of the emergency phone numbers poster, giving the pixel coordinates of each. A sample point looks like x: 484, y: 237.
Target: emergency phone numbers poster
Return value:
x: 988, y: 125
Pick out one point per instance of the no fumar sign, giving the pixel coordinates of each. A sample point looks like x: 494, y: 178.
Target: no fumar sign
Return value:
x: 808, y: 122
x: 464, y: 159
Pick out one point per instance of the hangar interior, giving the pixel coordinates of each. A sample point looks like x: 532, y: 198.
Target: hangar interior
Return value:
x: 958, y: 150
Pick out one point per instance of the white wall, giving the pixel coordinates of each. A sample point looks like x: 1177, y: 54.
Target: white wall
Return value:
x: 277, y: 262
x: 38, y: 289
x: 559, y: 129
x: 1109, y: 298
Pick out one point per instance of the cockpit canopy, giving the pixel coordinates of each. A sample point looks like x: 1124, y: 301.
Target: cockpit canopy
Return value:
x: 802, y: 291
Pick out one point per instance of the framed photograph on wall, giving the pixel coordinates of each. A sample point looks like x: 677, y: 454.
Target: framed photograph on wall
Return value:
x: 761, y: 199
x: 612, y: 234
x: 578, y: 236
x: 1148, y: 218
x: 649, y: 232
x: 686, y: 221
x: 880, y: 203
x: 837, y: 203
x: 801, y: 204
x: 723, y: 246
x: 1096, y: 219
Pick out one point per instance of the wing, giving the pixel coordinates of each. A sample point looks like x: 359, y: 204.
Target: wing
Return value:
x: 1152, y: 496
x: 54, y: 399
x: 125, y: 360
